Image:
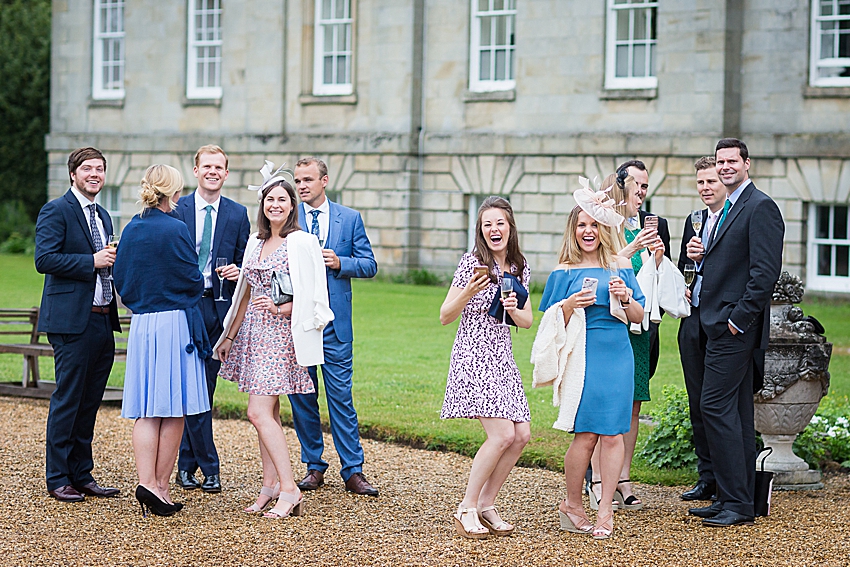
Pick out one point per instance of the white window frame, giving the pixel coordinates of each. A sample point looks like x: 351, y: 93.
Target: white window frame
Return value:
x: 321, y: 26
x: 822, y: 282
x: 817, y: 63
x: 193, y: 91
x: 110, y: 199
x: 103, y: 49
x: 612, y: 81
x: 476, y: 84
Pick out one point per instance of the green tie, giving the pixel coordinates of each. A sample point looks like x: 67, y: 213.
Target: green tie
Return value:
x: 726, y: 206
x: 206, y: 239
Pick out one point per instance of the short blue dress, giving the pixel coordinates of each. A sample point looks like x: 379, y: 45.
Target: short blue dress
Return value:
x: 606, y: 400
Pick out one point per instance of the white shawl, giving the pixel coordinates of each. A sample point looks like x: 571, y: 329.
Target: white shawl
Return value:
x: 558, y: 356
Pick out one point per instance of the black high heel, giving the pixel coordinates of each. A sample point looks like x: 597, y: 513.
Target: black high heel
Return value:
x: 151, y: 501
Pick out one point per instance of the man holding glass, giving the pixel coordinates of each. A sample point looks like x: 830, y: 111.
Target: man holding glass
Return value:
x: 348, y: 254
x: 220, y: 229
x: 691, y: 336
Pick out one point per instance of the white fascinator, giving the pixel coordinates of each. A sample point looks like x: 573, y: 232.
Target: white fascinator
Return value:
x: 598, y: 204
x: 281, y: 173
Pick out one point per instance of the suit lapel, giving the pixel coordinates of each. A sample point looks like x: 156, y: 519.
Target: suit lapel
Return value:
x: 106, y: 220
x: 334, y: 225
x: 81, y: 216
x: 302, y: 217
x: 189, y: 215
x: 220, y: 227
x: 733, y: 213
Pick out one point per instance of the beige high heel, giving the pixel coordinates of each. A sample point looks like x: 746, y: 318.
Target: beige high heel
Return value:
x: 477, y: 532
x: 582, y: 527
x: 499, y: 527
x: 604, y: 527
x: 297, y: 509
x: 269, y: 493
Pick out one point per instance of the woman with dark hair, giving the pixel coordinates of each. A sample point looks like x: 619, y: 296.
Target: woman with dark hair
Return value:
x: 484, y: 382
x: 164, y: 380
x: 266, y: 346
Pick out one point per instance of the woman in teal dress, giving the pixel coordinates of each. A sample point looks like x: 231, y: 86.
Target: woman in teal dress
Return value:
x: 633, y: 242
x: 604, y: 409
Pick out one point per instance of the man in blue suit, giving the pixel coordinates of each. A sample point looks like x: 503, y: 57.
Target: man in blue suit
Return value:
x: 220, y: 229
x: 79, y: 314
x: 347, y: 254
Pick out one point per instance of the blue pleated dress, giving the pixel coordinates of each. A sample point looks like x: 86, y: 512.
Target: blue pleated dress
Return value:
x: 606, y: 400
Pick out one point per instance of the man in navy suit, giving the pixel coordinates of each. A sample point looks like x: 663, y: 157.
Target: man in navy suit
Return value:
x: 220, y: 229
x: 79, y: 314
x: 740, y: 262
x: 347, y: 254
x: 692, y: 338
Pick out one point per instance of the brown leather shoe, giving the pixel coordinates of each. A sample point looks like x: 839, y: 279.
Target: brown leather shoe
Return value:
x: 358, y: 484
x: 66, y: 493
x: 94, y: 489
x: 313, y: 480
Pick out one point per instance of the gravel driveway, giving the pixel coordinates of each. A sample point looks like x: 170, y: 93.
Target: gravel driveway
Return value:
x: 410, y: 524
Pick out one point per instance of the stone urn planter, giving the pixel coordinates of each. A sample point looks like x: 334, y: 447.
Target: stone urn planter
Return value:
x: 796, y: 377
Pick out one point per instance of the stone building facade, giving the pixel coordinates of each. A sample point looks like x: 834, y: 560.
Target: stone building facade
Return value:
x: 421, y: 109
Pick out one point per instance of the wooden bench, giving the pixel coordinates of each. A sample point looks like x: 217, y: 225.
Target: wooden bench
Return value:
x: 22, y: 324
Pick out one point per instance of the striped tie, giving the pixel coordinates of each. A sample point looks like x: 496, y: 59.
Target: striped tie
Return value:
x: 102, y: 273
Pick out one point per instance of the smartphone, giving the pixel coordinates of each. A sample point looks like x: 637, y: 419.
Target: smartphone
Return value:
x: 481, y: 271
x: 589, y: 283
x: 651, y: 222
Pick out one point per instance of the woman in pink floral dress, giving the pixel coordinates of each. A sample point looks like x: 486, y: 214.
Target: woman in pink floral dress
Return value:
x: 257, y: 347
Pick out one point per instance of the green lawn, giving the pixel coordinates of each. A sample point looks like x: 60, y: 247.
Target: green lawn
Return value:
x: 401, y: 361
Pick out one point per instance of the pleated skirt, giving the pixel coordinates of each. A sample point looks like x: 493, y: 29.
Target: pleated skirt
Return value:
x: 162, y: 379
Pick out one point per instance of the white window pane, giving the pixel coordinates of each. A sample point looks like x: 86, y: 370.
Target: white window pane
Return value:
x: 498, y: 4
x: 483, y: 5
x: 510, y: 5
x: 328, y: 38
x: 640, y: 24
x: 328, y: 74
x: 484, y: 68
x: 485, y: 31
x: 341, y: 77
x: 639, y: 61
x: 622, y: 64
x: 500, y: 65
x: 340, y: 9
x: 841, y: 261
x: 623, y: 25
x: 824, y: 260
x: 826, y: 8
x: 501, y: 32
x: 341, y: 37
x: 652, y: 60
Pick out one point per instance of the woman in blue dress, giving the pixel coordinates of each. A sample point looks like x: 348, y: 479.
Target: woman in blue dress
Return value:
x: 156, y: 273
x: 604, y: 411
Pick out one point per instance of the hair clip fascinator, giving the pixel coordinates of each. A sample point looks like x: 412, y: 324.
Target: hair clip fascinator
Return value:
x: 268, y: 177
x: 598, y: 204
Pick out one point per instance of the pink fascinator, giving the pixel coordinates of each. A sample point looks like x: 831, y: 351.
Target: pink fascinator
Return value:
x: 598, y: 204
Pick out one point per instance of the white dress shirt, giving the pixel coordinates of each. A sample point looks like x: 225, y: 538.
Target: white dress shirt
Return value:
x: 200, y: 216
x: 324, y: 219
x: 84, y: 203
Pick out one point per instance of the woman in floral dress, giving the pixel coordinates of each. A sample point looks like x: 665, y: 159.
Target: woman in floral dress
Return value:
x: 484, y: 382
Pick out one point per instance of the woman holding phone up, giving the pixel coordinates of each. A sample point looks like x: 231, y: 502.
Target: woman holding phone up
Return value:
x: 484, y: 382
x: 588, y: 274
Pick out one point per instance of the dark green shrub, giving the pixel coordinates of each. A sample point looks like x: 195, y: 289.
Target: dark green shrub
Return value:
x: 671, y: 441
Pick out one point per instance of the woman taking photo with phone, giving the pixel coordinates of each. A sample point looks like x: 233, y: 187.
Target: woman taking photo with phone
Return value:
x: 484, y: 382
x: 588, y: 255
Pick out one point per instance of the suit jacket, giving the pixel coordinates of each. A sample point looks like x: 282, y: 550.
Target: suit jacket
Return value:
x: 231, y: 235
x: 347, y: 238
x: 741, y: 266
x: 663, y: 230
x: 64, y: 253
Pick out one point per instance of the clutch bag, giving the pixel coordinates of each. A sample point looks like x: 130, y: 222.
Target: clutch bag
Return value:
x: 496, y: 308
x: 281, y: 288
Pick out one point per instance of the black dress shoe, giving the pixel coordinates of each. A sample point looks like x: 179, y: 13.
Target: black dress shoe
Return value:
x: 186, y: 480
x: 66, y: 493
x: 212, y: 484
x: 313, y: 480
x: 94, y: 489
x: 702, y: 491
x: 728, y: 518
x: 708, y: 511
x: 358, y: 484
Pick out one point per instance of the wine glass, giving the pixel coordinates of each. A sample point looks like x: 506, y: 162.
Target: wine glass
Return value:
x: 696, y: 220
x: 111, y: 242
x: 219, y: 264
x: 506, y: 289
x: 690, y: 274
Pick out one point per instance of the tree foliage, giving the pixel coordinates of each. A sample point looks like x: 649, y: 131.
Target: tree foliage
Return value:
x: 24, y: 102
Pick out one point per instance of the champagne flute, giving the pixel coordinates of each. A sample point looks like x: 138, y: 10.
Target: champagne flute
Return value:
x: 111, y: 242
x: 690, y: 274
x: 506, y: 289
x: 696, y: 220
x: 219, y: 264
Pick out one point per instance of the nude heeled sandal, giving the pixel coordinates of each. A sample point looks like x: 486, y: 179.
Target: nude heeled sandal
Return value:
x: 270, y: 493
x: 583, y: 526
x: 498, y: 527
x: 477, y: 532
x: 297, y: 501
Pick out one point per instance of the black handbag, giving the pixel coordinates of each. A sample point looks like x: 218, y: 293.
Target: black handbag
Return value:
x: 764, y: 486
x: 496, y: 308
x: 281, y: 288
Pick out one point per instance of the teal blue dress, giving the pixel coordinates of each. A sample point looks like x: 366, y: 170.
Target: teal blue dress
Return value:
x: 606, y: 400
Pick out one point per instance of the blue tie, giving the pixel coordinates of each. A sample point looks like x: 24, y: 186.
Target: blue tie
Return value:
x: 314, y: 227
x: 102, y: 273
x: 206, y: 239
x: 726, y: 206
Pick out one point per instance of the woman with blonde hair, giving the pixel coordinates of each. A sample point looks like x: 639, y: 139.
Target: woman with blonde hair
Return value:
x: 156, y: 273
x: 484, y: 382
x: 589, y: 274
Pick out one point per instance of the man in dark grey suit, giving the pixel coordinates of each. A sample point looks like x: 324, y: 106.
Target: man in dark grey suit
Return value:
x: 740, y: 263
x: 79, y: 314
x: 691, y: 337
